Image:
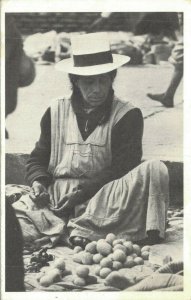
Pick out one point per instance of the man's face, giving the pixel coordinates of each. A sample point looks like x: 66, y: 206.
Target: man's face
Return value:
x: 94, y: 89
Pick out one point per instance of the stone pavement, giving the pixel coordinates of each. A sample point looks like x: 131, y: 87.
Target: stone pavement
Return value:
x: 163, y: 129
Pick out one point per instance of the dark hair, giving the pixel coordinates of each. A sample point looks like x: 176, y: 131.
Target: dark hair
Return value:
x: 73, y: 78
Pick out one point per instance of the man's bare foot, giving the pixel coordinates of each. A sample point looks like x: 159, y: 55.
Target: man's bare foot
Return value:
x: 162, y: 98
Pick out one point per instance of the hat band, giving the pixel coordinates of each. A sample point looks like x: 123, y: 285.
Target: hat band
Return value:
x: 92, y: 59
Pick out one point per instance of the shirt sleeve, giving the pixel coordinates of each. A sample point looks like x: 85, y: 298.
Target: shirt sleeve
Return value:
x: 126, y: 146
x: 37, y: 165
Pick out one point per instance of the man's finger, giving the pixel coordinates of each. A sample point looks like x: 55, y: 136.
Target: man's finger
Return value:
x: 32, y: 195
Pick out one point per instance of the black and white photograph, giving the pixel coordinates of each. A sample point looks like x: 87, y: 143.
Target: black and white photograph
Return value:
x: 93, y: 147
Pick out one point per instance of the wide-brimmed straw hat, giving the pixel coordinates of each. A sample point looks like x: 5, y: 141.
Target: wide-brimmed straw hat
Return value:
x: 91, y: 55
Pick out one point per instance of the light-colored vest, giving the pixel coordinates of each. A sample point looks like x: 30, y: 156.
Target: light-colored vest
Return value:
x: 71, y: 156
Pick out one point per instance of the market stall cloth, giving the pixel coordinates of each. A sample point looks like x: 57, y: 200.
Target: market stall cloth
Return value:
x: 172, y: 247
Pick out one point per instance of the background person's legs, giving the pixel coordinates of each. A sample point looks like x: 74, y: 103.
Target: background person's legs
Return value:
x: 167, y: 98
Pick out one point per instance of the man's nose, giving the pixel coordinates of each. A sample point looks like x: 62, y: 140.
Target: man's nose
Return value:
x: 97, y: 85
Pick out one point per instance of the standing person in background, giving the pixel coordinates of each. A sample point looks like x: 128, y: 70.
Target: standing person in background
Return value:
x: 167, y: 98
x: 19, y: 68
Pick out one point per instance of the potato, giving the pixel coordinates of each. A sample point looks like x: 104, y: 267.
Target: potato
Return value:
x: 39, y: 275
x: 46, y: 281
x: 119, y: 255
x: 106, y: 262
x: 133, y: 255
x: 97, y: 270
x: 110, y: 256
x: 110, y: 238
x: 117, y: 280
x: 55, y: 274
x: 129, y: 247
x: 59, y: 264
x: 82, y: 271
x: 97, y: 258
x: 104, y: 248
x: 138, y: 261
x: 136, y: 249
x: 79, y: 281
x: 129, y: 263
x: 87, y: 258
x: 117, y: 265
x: 91, y: 247
x: 145, y: 255
x: 104, y: 272
x: 50, y: 277
x: 145, y: 248
x: 77, y: 249
x: 118, y: 241
x: 121, y: 247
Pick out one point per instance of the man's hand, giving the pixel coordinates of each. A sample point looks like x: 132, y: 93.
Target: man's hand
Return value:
x: 39, y: 193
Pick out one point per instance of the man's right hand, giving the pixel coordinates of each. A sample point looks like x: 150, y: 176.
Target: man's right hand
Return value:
x: 39, y: 193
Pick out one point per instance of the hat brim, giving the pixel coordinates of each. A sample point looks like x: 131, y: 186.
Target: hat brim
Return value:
x: 66, y: 66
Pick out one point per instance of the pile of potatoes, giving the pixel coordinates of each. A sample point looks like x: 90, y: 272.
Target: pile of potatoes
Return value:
x: 111, y: 254
x: 52, y: 274
x: 82, y: 277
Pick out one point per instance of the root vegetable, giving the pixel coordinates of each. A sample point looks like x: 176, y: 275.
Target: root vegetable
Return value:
x: 104, y: 272
x: 116, y: 280
x: 97, y: 258
x: 119, y: 255
x: 106, y: 262
x: 82, y: 271
x: 110, y: 238
x: 104, y: 248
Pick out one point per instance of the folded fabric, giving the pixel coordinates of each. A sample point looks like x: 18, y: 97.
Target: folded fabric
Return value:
x: 37, y: 222
x: 159, y: 282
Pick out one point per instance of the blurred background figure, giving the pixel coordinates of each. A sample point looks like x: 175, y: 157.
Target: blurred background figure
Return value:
x: 167, y: 98
x: 19, y: 68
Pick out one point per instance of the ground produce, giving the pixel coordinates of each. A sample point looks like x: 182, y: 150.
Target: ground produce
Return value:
x: 136, y: 249
x: 104, y: 248
x: 145, y: 248
x: 129, y: 263
x: 106, y: 262
x: 50, y: 277
x: 59, y: 264
x: 82, y: 271
x: 97, y: 258
x: 145, y: 255
x: 79, y: 281
x: 87, y: 258
x: 121, y: 247
x: 110, y: 238
x: 119, y: 255
x: 138, y: 260
x: 91, y: 247
x: 77, y: 249
x: 104, y: 272
x: 97, y: 270
x: 117, y: 265
x: 117, y: 280
x: 118, y: 241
